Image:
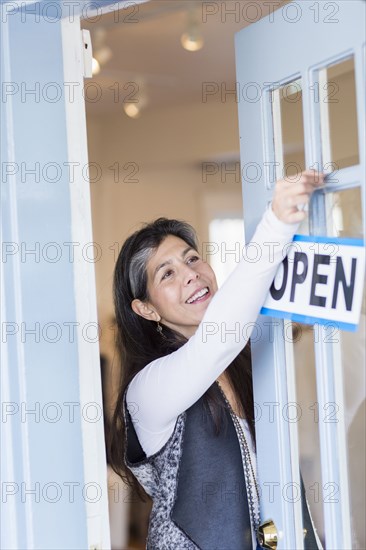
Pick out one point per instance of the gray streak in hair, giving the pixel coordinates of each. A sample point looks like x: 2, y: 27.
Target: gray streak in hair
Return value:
x: 137, y: 272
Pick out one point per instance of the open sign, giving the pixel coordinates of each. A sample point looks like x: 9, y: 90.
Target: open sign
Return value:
x: 320, y: 280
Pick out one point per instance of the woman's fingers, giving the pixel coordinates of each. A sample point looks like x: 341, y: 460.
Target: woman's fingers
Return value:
x: 310, y: 179
x: 296, y: 216
x: 301, y: 187
x: 291, y: 193
x: 295, y: 200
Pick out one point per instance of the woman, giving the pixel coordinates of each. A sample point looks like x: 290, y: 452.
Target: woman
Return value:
x: 184, y: 421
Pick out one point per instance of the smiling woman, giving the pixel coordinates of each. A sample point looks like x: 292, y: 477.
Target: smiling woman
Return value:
x: 185, y: 402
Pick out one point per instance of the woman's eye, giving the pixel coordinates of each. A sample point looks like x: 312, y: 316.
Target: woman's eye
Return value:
x: 193, y: 259
x: 166, y: 274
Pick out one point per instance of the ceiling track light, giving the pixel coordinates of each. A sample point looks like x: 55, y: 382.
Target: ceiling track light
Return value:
x: 102, y: 53
x: 95, y: 66
x: 192, y: 39
x: 134, y: 108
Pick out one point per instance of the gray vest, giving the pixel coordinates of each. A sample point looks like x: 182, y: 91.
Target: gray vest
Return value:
x: 196, y: 482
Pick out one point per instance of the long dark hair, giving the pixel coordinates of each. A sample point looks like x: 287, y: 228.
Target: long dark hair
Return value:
x: 139, y: 343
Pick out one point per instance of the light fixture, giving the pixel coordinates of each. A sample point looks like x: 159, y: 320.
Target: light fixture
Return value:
x: 101, y: 53
x: 95, y: 66
x: 192, y: 39
x: 191, y: 42
x: 132, y: 110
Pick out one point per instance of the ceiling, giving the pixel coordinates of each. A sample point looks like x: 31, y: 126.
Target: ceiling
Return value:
x: 148, y: 63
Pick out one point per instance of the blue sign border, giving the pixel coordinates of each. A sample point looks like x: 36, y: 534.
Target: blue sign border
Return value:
x: 345, y: 241
x: 307, y: 319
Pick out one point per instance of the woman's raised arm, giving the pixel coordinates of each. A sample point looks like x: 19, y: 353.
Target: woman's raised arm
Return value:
x: 171, y: 384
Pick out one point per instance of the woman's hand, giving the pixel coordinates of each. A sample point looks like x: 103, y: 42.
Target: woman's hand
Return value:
x: 292, y: 193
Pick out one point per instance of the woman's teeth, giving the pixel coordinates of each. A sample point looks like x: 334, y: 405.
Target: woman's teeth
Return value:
x: 198, y: 294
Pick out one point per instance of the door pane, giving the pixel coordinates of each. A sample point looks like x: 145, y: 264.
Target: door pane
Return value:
x: 309, y: 416
x: 288, y: 134
x: 338, y: 113
x: 344, y: 219
x: 344, y: 213
x: 288, y: 129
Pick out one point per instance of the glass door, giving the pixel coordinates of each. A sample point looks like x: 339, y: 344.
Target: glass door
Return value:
x: 309, y: 384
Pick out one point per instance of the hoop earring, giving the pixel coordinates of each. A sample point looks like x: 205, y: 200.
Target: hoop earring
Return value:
x: 159, y: 329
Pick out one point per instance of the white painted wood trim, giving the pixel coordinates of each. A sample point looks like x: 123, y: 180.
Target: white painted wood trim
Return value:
x: 277, y: 133
x: 95, y: 468
x: 324, y: 118
x: 109, y: 6
x: 11, y: 426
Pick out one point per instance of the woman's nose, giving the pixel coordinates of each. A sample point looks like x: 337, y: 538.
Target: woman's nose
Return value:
x: 190, y: 275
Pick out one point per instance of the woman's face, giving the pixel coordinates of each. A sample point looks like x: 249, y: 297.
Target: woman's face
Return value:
x: 180, y: 285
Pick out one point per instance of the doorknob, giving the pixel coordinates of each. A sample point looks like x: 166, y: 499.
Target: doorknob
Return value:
x: 267, y: 535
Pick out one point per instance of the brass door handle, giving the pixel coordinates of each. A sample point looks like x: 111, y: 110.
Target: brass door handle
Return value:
x: 267, y: 535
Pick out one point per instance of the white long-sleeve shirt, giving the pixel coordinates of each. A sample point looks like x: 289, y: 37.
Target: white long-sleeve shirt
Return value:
x: 169, y: 385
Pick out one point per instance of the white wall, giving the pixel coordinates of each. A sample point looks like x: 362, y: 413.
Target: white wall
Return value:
x: 167, y: 147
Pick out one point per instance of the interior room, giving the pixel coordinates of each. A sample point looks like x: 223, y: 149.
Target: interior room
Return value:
x: 217, y: 114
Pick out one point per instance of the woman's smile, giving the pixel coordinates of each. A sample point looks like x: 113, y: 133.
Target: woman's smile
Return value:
x: 199, y: 296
